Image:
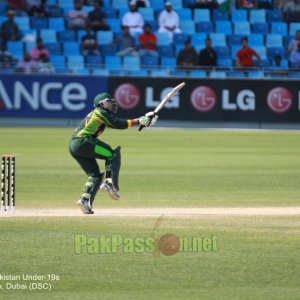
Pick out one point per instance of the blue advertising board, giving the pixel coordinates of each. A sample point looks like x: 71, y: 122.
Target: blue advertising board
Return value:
x: 48, y: 96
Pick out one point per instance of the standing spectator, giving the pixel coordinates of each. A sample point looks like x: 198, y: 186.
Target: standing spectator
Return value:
x: 208, y: 56
x: 293, y: 45
x: 36, y: 8
x: 148, y: 42
x: 126, y: 43
x: 244, y: 57
x: 9, y: 29
x: 77, y: 17
x: 44, y: 66
x: 133, y: 19
x: 89, y: 43
x: 187, y: 57
x: 39, y: 51
x: 27, y: 65
x: 18, y: 6
x: 168, y: 21
x: 96, y: 18
x: 6, y: 58
x: 295, y: 57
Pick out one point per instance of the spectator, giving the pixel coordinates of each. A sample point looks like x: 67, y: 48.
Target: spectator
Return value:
x: 9, y: 29
x: 44, y: 66
x: 148, y: 42
x: 245, y: 4
x: 295, y: 57
x: 244, y: 57
x: 293, y: 45
x: 126, y: 43
x: 27, y: 65
x: 6, y: 58
x: 96, y: 18
x: 39, y: 51
x: 168, y: 21
x: 142, y: 3
x: 187, y: 57
x: 77, y: 17
x: 89, y: 43
x: 36, y: 8
x: 292, y: 6
x: 276, y: 68
x: 133, y: 19
x: 18, y: 6
x: 208, y: 56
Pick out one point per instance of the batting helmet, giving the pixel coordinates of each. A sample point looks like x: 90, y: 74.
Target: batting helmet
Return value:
x: 105, y: 101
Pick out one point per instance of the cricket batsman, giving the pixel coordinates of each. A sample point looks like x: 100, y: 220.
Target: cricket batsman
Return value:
x: 86, y: 148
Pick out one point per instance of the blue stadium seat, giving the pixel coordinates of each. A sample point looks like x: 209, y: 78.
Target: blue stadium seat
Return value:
x: 185, y: 14
x: 147, y: 13
x: 276, y: 51
x: 220, y: 16
x: 274, y: 40
x: 67, y: 9
x: 224, y: 62
x: 217, y: 74
x: 108, y: 50
x: 224, y: 27
x: 29, y: 46
x: 100, y: 72
x: 198, y: 74
x: 63, y: 3
x: 57, y: 24
x: 104, y: 37
x: 87, y: 8
x: 138, y: 73
x: 239, y: 15
x: 178, y: 73
x: 115, y: 24
x: 2, y: 19
x: 162, y: 38
x: 113, y: 63
x: 223, y: 52
x: 131, y: 63
x: 218, y: 39
x: 94, y: 61
x: 198, y: 39
x: 75, y: 62
x: 206, y: 27
x: 15, y: 47
x: 54, y: 48
x: 242, y: 28
x: 82, y: 71
x: 110, y: 12
x: 275, y: 15
x: 157, y: 4
x: 255, y: 74
x: 71, y: 48
x: 48, y: 35
x: 235, y: 39
x: 52, y: 1
x: 166, y: 51
x: 180, y: 38
x: 262, y: 28
x: 3, y: 8
x: 235, y: 74
x: 279, y: 28
x: 120, y: 4
x: 54, y: 10
x: 122, y: 12
x: 234, y: 50
x: 58, y: 61
x: 67, y: 36
x: 294, y: 27
x: 23, y: 22
x: 202, y: 15
x: 256, y: 39
x: 187, y: 26
x: 257, y: 16
x: 262, y: 51
x: 159, y: 73
x: 80, y: 34
x: 39, y: 23
x: 176, y: 4
x: 168, y: 63
x: 150, y: 63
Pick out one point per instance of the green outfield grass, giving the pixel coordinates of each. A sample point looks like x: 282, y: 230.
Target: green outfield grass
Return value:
x: 255, y: 258
x: 163, y: 167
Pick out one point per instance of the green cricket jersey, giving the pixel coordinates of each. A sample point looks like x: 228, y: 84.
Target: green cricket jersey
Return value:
x: 97, y: 120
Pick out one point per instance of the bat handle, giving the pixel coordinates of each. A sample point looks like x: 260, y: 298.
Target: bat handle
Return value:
x: 141, y: 127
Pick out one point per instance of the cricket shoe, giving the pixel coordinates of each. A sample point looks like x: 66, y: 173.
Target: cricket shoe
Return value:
x: 108, y: 187
x: 85, y: 206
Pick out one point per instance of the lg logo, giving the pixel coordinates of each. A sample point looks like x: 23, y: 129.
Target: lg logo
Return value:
x: 203, y: 98
x: 280, y: 100
x: 128, y: 96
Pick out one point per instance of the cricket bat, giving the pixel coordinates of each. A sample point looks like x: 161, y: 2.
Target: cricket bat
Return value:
x: 166, y: 99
